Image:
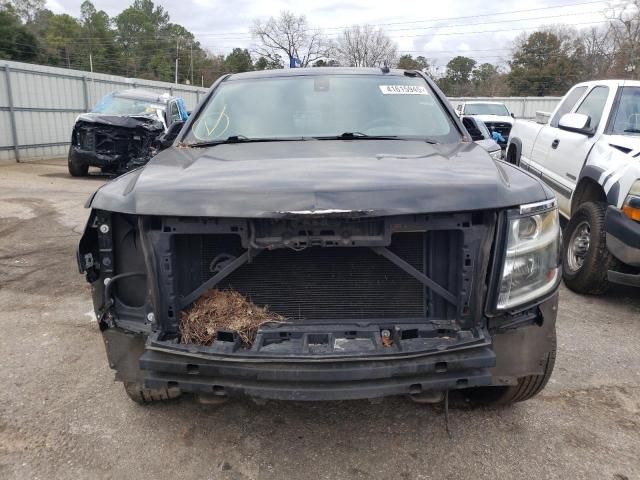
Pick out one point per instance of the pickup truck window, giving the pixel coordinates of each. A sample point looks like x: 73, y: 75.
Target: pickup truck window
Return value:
x: 281, y: 108
x: 627, y: 115
x: 567, y: 104
x: 486, y: 109
x: 593, y: 105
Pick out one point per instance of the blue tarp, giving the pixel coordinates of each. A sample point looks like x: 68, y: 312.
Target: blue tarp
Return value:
x: 182, y: 108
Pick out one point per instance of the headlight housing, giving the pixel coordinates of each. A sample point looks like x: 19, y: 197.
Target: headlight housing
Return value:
x: 631, y: 205
x: 531, y: 266
x: 496, y: 155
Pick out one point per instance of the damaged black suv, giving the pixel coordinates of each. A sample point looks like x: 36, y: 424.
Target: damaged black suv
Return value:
x: 397, y: 255
x: 123, y: 131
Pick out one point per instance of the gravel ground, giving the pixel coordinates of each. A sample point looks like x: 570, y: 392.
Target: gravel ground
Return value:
x: 62, y: 416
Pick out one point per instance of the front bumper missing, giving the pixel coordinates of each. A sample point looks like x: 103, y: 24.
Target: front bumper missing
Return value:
x: 324, y: 362
x: 320, y: 381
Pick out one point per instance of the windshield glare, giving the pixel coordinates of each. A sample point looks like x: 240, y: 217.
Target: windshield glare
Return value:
x: 486, y: 109
x: 627, y: 115
x: 323, y: 106
x: 125, y: 106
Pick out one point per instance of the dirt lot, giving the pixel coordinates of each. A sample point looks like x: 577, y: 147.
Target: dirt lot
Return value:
x: 62, y: 416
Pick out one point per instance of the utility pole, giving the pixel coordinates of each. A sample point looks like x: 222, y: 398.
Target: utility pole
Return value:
x: 177, y: 43
x: 91, y: 63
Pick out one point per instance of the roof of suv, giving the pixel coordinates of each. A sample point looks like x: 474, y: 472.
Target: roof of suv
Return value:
x: 140, y: 94
x: 294, y: 72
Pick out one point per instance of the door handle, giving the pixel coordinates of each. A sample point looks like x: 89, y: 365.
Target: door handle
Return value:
x: 555, y: 144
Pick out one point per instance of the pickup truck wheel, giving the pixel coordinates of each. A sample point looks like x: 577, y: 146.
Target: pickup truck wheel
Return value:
x: 76, y: 169
x: 586, y: 259
x: 143, y: 396
x: 512, y: 156
x: 526, y: 388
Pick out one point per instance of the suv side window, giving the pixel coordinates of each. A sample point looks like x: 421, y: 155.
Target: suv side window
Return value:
x: 567, y: 104
x: 593, y: 104
x: 174, y: 113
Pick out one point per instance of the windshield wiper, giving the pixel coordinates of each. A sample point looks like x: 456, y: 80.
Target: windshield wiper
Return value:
x: 364, y: 136
x: 241, y: 139
x: 357, y: 136
x: 632, y: 130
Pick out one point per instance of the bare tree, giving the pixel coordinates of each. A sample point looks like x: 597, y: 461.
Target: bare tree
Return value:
x: 624, y: 18
x: 599, y: 49
x: 292, y: 36
x: 366, y: 46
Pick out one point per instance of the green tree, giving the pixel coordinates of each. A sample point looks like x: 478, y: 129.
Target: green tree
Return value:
x: 324, y: 63
x: 407, y: 62
x: 141, y: 30
x: 545, y: 63
x: 488, y: 80
x: 63, y: 37
x: 264, y: 63
x: 459, y: 69
x: 457, y: 80
x: 16, y: 42
x: 239, y: 60
x: 98, y: 40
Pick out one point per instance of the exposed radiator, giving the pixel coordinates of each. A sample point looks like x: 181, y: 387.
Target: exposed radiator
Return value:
x: 328, y: 283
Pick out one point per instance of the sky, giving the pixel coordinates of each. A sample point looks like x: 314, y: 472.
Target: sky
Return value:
x: 438, y: 30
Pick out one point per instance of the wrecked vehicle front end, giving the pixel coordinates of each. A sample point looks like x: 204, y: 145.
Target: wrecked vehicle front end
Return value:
x: 372, y: 302
x: 325, y: 266
x: 373, y: 307
x: 115, y: 144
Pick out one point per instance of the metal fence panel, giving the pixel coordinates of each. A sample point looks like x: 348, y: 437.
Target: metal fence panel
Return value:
x: 39, y: 105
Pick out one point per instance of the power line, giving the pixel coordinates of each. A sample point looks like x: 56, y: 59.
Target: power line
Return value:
x: 247, y: 35
x: 567, y: 5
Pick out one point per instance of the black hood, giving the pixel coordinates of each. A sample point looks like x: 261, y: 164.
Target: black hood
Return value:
x: 370, y: 177
x: 149, y: 122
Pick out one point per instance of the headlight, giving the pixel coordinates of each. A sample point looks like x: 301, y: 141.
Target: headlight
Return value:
x: 497, y: 155
x: 631, y: 206
x: 532, y: 260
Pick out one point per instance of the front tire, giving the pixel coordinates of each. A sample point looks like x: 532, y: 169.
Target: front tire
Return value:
x: 586, y: 259
x: 144, y: 396
x: 527, y: 387
x: 76, y: 168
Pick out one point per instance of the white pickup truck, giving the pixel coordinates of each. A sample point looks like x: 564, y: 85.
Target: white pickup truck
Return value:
x: 588, y: 153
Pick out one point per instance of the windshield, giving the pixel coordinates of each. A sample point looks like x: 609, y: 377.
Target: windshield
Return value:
x: 486, y: 109
x: 323, y: 106
x: 627, y: 115
x: 114, y: 105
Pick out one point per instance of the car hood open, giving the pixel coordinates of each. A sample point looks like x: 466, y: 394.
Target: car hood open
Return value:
x: 279, y: 179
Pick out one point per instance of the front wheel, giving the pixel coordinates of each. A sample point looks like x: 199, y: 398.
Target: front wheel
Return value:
x: 512, y: 155
x: 586, y: 259
x: 143, y: 396
x: 76, y: 168
x: 527, y: 387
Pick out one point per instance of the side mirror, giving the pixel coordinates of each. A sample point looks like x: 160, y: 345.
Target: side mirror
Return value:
x: 512, y: 115
x: 576, y: 122
x: 167, y: 139
x: 472, y: 127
